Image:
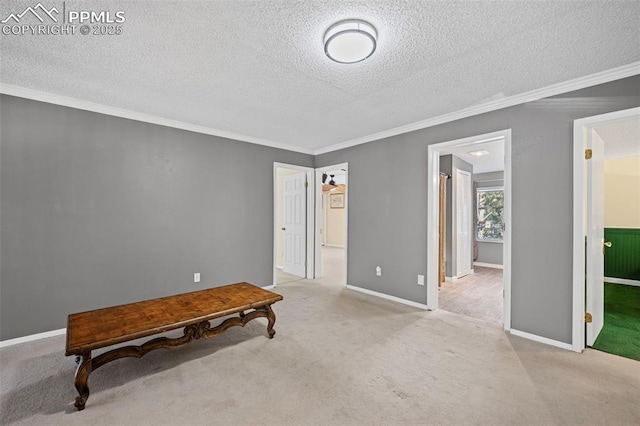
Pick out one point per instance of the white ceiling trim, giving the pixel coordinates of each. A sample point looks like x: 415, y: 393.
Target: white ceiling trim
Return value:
x: 533, y: 95
x: 36, y: 95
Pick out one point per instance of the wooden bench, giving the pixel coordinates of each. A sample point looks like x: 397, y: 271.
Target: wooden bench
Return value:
x: 87, y: 331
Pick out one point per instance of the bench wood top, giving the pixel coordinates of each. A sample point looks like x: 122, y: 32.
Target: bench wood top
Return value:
x: 117, y: 324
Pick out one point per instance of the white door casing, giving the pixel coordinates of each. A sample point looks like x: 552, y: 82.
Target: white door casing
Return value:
x: 294, y: 224
x: 595, y: 236
x: 582, y: 203
x: 433, y: 171
x: 463, y: 223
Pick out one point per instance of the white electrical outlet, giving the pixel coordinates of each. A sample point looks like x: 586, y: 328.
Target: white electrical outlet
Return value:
x: 420, y: 279
x: 196, y: 277
x: 378, y: 271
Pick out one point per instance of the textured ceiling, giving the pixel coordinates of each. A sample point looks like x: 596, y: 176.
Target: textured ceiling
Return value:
x: 493, y: 161
x: 621, y: 138
x: 257, y: 68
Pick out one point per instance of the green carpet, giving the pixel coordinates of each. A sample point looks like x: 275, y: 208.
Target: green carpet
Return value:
x: 621, y: 332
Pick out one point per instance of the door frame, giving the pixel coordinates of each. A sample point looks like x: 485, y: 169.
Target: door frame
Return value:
x: 581, y: 127
x: 319, y: 217
x: 433, y: 173
x: 309, y: 217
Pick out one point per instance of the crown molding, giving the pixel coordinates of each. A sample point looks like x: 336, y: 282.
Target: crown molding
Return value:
x: 533, y: 95
x: 36, y: 95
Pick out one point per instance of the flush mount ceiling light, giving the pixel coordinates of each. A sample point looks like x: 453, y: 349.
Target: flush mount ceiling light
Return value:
x: 351, y: 41
x: 479, y: 153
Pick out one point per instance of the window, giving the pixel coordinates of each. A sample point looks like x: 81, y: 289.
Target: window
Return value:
x: 490, y: 205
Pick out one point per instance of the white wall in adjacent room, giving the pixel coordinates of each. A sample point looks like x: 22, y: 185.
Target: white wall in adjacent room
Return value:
x: 622, y: 193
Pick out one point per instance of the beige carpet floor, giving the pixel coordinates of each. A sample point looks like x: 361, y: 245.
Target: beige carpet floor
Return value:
x: 339, y: 358
x: 477, y: 295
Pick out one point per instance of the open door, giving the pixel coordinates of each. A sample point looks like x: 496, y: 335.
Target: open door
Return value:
x: 595, y: 236
x: 463, y: 213
x: 294, y: 224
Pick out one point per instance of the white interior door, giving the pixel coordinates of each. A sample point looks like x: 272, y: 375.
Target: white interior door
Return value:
x: 294, y: 224
x: 595, y: 236
x: 463, y: 223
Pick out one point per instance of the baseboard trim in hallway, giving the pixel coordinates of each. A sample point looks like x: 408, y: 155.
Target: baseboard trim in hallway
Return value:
x: 388, y: 297
x: 488, y: 265
x: 32, y: 337
x: 621, y: 281
x: 541, y: 339
x: 518, y: 333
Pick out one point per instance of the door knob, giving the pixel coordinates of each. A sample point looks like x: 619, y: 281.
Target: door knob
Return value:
x: 607, y: 244
x: 284, y: 229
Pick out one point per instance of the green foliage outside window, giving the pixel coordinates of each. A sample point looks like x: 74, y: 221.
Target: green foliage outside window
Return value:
x: 490, y: 225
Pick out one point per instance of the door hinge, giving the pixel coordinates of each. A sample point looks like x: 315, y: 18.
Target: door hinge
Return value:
x: 587, y: 317
x: 306, y: 184
x: 588, y: 154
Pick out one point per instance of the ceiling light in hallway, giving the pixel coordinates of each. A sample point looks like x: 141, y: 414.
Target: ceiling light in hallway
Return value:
x: 350, y: 41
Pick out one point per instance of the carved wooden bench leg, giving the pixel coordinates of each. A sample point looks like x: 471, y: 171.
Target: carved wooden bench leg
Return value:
x: 82, y: 378
x: 272, y: 320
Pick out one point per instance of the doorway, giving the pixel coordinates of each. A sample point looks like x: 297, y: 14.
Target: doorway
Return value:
x: 293, y: 223
x: 598, y: 140
x: 476, y: 146
x: 331, y: 236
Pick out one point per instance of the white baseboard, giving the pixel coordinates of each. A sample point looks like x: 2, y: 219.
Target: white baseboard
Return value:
x: 621, y: 281
x: 541, y: 339
x: 32, y: 337
x: 388, y: 297
x: 279, y: 267
x: 333, y: 245
x: 269, y: 287
x: 457, y: 277
x: 488, y: 265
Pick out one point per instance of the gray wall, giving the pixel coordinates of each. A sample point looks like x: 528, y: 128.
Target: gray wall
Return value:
x: 388, y: 203
x: 449, y: 164
x: 489, y: 252
x: 98, y: 210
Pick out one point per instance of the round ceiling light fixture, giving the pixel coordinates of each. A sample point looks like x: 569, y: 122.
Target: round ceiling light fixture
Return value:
x: 350, y: 41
